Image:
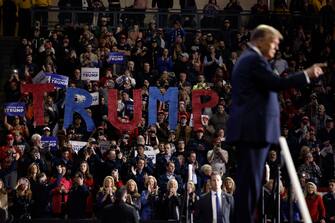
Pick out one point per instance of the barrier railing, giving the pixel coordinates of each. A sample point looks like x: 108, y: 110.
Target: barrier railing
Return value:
x: 192, y: 19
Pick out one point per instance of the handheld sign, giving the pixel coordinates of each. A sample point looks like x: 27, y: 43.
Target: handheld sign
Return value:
x: 59, y: 81
x: 89, y: 73
x: 116, y: 58
x: 49, y: 142
x: 77, y: 145
x: 14, y: 109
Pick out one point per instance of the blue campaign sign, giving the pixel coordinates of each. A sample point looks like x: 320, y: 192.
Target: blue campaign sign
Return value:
x: 15, y: 109
x: 58, y: 80
x: 116, y: 58
x: 49, y: 142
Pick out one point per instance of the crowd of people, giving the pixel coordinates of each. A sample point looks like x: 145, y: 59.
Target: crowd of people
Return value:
x: 38, y: 180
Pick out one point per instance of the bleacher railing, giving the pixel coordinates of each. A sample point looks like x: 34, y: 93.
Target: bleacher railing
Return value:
x: 163, y: 19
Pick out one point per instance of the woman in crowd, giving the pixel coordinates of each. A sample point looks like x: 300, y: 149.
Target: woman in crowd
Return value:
x: 22, y: 201
x: 116, y: 176
x: 59, y: 195
x: 32, y: 173
x: 105, y: 195
x: 171, y: 202
x: 229, y: 185
x: 189, y: 205
x: 315, y: 204
x: 89, y: 182
x: 17, y: 126
x: 133, y: 195
x: 149, y: 199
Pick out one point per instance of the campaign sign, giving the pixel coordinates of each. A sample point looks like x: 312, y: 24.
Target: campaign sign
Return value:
x: 89, y: 73
x: 116, y: 58
x: 14, y: 109
x: 59, y: 81
x: 151, y: 154
x: 49, y: 142
x: 104, y: 146
x: 77, y: 145
x: 95, y: 98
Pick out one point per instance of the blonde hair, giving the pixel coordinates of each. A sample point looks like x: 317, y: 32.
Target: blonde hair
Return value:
x: 147, y: 181
x: 265, y: 31
x: 128, y: 185
x: 169, y: 183
x: 232, y: 190
x: 104, y: 183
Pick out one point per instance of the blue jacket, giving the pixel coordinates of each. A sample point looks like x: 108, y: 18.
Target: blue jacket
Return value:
x: 254, y: 113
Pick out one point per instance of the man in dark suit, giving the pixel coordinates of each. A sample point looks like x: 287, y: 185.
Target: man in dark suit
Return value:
x: 216, y: 206
x: 120, y: 211
x: 253, y: 124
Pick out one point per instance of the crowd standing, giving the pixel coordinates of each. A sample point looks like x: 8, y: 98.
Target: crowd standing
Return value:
x: 41, y: 181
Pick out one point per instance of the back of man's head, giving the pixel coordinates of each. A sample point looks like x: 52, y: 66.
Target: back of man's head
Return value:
x: 121, y: 195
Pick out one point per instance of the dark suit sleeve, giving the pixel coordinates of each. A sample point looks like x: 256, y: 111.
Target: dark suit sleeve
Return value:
x: 268, y: 80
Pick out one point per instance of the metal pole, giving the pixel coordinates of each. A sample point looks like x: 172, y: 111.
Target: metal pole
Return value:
x: 294, y: 180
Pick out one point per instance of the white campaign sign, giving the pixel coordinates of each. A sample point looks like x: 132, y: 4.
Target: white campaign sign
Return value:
x: 77, y: 145
x: 89, y: 73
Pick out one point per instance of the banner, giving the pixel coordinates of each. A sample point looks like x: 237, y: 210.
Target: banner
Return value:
x: 59, y: 81
x: 89, y: 73
x: 77, y: 145
x: 38, y: 91
x: 15, y: 109
x: 95, y: 98
x: 170, y: 97
x: 77, y: 100
x: 151, y: 154
x: 116, y: 58
x: 40, y: 78
x: 104, y: 146
x: 49, y: 142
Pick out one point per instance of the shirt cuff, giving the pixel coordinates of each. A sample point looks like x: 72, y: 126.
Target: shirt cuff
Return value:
x: 307, y: 77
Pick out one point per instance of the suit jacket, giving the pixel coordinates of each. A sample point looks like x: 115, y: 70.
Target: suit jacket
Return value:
x: 204, y: 212
x: 254, y: 114
x: 119, y: 212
